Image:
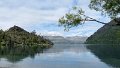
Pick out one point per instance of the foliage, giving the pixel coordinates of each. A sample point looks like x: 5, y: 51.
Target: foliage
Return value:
x: 17, y: 36
x: 110, y: 7
x: 77, y: 17
x: 108, y: 34
x: 72, y: 19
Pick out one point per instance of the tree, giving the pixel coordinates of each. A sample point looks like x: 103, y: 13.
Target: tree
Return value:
x: 77, y: 17
x: 110, y: 7
x: 33, y: 32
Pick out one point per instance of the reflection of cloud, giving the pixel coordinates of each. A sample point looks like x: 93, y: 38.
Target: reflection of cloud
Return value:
x: 4, y: 63
x: 68, y: 56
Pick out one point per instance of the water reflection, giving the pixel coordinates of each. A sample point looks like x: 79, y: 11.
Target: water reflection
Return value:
x: 109, y: 54
x: 59, y: 56
x: 67, y: 47
x: 17, y: 54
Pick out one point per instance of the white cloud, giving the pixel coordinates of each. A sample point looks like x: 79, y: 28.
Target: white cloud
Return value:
x: 25, y: 13
x: 52, y: 33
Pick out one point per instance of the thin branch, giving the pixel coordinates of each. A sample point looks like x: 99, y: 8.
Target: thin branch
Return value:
x: 92, y: 19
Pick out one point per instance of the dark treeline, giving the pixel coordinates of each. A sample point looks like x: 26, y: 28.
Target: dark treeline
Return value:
x: 16, y: 37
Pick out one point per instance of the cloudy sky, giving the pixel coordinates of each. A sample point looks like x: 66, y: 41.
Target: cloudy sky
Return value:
x: 43, y: 15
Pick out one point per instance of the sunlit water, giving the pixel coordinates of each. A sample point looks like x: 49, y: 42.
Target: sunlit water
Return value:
x: 59, y: 56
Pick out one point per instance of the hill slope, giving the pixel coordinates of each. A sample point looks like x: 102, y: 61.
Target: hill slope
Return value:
x: 108, y: 34
x: 18, y: 36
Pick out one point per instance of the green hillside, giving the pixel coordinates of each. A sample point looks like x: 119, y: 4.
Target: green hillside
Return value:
x: 16, y: 36
x: 108, y: 34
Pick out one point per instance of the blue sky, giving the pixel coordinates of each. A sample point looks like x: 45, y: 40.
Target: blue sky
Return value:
x: 43, y: 15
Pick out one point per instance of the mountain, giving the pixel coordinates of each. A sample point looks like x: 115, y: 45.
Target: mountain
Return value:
x: 57, y: 39
x: 77, y: 39
x: 17, y: 28
x: 108, y: 34
x: 17, y: 36
x: 60, y: 39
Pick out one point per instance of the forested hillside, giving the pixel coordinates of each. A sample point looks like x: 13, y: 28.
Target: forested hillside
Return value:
x: 16, y: 36
x: 108, y: 34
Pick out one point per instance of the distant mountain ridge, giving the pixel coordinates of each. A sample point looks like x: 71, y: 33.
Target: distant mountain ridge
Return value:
x: 60, y: 39
x: 77, y: 39
x: 57, y: 39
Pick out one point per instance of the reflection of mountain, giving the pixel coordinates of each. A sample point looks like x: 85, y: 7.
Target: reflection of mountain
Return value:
x: 16, y: 44
x: 60, y: 39
x: 109, y: 54
x: 19, y: 53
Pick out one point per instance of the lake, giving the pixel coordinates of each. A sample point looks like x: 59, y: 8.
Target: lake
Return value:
x: 59, y: 56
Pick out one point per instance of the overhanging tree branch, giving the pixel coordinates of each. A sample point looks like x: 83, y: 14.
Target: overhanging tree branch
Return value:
x: 92, y: 19
x: 75, y: 18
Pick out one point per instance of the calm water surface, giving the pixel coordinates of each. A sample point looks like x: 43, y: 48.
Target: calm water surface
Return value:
x: 59, y: 56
